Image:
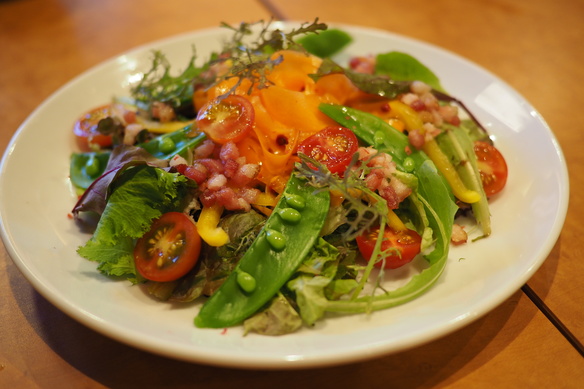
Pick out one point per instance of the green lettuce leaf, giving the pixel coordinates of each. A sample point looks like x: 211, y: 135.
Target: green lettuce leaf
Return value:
x: 319, y: 279
x: 116, y: 260
x: 310, y: 296
x: 279, y: 318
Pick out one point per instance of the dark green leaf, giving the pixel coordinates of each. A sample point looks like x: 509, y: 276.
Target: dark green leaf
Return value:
x: 403, y: 67
x: 370, y: 83
x: 326, y: 43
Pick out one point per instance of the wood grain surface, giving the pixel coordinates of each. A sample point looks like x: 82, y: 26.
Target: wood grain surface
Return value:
x: 535, y: 46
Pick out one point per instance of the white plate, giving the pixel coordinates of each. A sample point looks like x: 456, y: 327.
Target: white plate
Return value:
x: 36, y: 197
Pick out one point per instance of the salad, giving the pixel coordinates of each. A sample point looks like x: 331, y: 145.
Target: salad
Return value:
x: 276, y: 186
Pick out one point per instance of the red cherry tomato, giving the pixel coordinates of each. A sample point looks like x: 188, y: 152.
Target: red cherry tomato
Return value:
x: 85, y: 129
x: 401, y: 246
x: 169, y: 250
x: 228, y: 120
x: 333, y: 146
x: 492, y: 167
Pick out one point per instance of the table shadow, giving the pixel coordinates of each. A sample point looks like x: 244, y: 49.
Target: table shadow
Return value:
x: 541, y: 282
x: 117, y: 365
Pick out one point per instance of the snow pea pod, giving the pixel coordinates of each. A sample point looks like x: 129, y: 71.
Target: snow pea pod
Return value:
x: 432, y: 191
x: 383, y: 137
x: 178, y: 142
x: 84, y: 168
x: 371, y: 130
x: 271, y: 260
x: 431, y: 188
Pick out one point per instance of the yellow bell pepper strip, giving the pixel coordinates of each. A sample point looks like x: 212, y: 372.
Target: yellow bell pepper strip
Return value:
x: 413, y: 122
x: 265, y: 202
x: 395, y: 222
x: 162, y: 127
x: 337, y: 198
x: 266, y: 199
x: 281, y: 246
x: 459, y: 148
x: 407, y: 114
x: 445, y: 167
x: 207, y: 225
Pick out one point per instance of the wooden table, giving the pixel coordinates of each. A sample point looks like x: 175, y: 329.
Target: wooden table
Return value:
x: 535, y: 46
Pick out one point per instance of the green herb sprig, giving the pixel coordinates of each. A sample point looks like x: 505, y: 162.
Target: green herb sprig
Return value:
x: 158, y: 84
x: 253, y: 61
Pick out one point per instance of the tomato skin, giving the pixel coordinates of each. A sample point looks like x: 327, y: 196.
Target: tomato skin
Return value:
x: 169, y: 250
x: 333, y: 146
x: 85, y: 129
x: 404, y: 246
x: 492, y: 167
x: 228, y: 120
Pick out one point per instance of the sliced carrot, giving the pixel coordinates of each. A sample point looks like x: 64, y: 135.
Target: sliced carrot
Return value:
x: 296, y: 110
x: 292, y: 72
x: 286, y: 112
x: 200, y: 98
x: 337, y: 89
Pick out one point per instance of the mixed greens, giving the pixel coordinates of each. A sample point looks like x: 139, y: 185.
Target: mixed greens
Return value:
x: 291, y: 221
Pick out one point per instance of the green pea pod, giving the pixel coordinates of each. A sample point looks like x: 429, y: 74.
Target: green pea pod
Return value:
x: 168, y: 145
x: 84, y: 168
x: 383, y: 137
x: 271, y: 260
x: 371, y: 130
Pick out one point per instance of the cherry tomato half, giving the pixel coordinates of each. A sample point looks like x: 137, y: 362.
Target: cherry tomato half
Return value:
x: 169, y: 250
x: 333, y: 146
x: 402, y: 246
x: 228, y: 120
x: 85, y: 129
x: 492, y: 167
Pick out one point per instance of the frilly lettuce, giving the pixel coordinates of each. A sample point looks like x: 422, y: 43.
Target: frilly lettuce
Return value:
x: 138, y: 195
